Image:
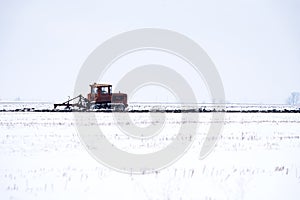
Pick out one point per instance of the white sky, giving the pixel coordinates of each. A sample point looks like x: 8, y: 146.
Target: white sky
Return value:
x: 253, y: 43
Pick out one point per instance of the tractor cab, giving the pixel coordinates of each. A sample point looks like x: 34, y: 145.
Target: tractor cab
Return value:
x: 100, y: 93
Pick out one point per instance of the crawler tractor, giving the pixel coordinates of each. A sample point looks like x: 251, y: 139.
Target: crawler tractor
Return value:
x: 100, y: 97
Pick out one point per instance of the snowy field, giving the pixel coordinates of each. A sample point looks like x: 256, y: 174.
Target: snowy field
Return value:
x: 10, y: 106
x: 256, y: 157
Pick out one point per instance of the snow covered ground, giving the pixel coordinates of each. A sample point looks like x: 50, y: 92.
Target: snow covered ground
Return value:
x: 256, y: 157
x: 160, y: 106
x: 6, y: 105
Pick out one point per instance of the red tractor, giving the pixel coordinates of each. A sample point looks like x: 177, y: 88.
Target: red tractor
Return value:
x: 100, y: 97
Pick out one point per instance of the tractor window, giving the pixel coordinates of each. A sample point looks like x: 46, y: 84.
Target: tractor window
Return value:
x: 95, y: 90
x: 104, y: 90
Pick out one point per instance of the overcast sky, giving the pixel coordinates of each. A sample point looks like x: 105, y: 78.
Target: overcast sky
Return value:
x: 255, y: 44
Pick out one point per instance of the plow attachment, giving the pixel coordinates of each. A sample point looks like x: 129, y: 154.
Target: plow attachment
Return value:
x: 82, y: 102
